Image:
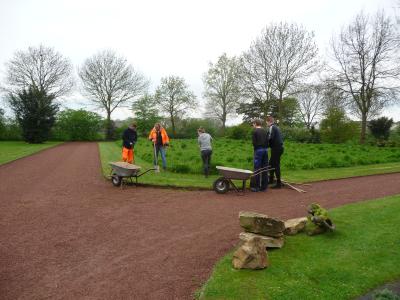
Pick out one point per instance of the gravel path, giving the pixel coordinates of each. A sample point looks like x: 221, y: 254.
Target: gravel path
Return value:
x: 66, y: 233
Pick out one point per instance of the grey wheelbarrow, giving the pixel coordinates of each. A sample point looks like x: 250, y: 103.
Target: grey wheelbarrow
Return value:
x: 223, y: 183
x: 123, y: 170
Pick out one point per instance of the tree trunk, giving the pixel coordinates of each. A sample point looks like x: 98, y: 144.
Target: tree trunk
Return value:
x: 173, y: 126
x: 280, y: 106
x: 109, y: 129
x: 223, y: 119
x: 363, y: 127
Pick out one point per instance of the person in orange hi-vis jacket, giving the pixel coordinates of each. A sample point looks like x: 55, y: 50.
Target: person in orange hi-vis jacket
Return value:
x: 129, y: 138
x: 158, y: 135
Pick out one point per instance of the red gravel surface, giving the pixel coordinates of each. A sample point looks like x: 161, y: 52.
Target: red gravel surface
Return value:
x: 67, y: 233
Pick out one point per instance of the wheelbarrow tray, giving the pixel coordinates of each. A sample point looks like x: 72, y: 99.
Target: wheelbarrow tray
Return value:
x: 124, y: 169
x: 121, y: 170
x: 234, y: 174
x: 222, y: 184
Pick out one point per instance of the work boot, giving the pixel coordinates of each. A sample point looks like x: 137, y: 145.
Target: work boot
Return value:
x: 271, y: 180
x: 278, y: 185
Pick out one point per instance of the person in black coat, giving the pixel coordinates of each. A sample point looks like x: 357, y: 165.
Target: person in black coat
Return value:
x: 275, y: 142
x: 259, y: 139
x: 129, y: 139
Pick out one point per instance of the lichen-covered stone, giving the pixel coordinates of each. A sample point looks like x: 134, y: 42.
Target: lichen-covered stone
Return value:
x: 251, y: 255
x: 268, y: 241
x: 261, y: 224
x: 293, y: 226
x: 318, y: 220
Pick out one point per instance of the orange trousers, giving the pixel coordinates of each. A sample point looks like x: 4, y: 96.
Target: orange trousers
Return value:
x: 128, y: 155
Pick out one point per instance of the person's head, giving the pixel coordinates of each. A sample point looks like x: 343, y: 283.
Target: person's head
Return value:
x: 157, y: 126
x: 257, y: 123
x: 270, y: 120
x: 201, y: 130
x: 133, y: 125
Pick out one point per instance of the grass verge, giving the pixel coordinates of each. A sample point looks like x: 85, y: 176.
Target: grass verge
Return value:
x: 12, y: 150
x: 110, y: 151
x: 360, y: 255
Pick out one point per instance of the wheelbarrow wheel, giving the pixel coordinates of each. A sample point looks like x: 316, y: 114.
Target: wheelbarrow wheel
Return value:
x: 116, y: 180
x: 221, y: 185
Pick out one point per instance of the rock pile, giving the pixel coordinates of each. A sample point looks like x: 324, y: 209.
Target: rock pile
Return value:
x: 265, y: 232
x: 260, y: 231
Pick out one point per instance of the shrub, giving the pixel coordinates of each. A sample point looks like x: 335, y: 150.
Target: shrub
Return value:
x: 239, y: 132
x: 77, y: 125
x: 380, y: 128
x: 336, y: 128
x: 394, y: 137
x: 187, y: 128
x: 10, y: 130
x: 295, y: 134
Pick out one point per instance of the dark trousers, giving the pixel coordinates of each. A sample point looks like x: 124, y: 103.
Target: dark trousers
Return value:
x: 275, y: 163
x: 206, y: 157
x: 260, y: 181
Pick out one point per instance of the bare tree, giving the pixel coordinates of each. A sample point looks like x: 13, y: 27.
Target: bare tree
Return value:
x: 111, y: 82
x: 333, y: 97
x: 282, y: 57
x: 293, y: 59
x: 310, y: 101
x: 256, y: 80
x: 367, y: 65
x: 222, y: 88
x: 41, y: 68
x: 174, y: 98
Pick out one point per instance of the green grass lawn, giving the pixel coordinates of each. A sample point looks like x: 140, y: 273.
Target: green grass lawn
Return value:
x: 11, y: 150
x: 184, y: 163
x: 297, y: 156
x: 361, y: 254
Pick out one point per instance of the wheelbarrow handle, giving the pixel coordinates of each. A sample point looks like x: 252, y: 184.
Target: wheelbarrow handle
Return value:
x: 152, y: 169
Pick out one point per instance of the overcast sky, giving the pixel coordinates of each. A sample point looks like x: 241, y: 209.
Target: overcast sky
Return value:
x: 166, y: 37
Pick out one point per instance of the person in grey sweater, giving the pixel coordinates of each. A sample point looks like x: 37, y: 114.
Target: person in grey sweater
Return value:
x: 205, y: 141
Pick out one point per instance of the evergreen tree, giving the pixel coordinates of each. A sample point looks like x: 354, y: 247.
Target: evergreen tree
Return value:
x: 380, y: 128
x: 35, y: 112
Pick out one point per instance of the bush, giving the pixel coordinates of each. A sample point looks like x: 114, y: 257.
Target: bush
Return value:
x: 301, y: 134
x: 336, y: 128
x: 394, y: 137
x: 380, y: 128
x: 187, y: 129
x: 10, y: 130
x: 239, y: 132
x: 77, y: 125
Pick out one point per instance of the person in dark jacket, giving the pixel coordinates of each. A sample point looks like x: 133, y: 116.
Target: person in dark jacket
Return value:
x: 275, y: 142
x: 259, y: 137
x: 129, y: 139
